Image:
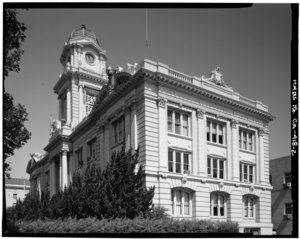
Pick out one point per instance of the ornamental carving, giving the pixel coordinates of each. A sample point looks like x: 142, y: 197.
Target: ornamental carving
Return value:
x: 161, y: 102
x: 234, y: 123
x: 200, y: 114
x: 261, y: 132
x: 216, y: 77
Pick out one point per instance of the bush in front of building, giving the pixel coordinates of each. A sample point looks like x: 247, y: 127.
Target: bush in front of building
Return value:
x: 125, y: 225
x: 119, y: 191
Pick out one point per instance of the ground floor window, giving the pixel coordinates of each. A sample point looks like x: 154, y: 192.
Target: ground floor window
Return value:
x: 249, y: 206
x: 218, y: 205
x: 181, y: 202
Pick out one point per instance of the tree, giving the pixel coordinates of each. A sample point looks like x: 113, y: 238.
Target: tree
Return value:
x: 14, y: 32
x: 15, y: 133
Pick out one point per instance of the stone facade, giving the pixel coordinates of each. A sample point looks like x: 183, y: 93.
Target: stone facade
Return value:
x: 203, y: 145
x: 15, y: 189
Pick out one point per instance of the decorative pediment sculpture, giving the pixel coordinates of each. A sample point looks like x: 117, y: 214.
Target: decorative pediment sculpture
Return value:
x: 55, y: 126
x: 216, y: 77
x: 36, y: 156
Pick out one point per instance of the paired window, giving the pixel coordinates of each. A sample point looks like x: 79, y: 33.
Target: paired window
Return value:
x: 288, y: 209
x: 215, y: 132
x: 91, y: 149
x: 79, y: 159
x: 246, y: 173
x: 216, y: 167
x: 248, y: 206
x: 178, y: 123
x: 179, y: 162
x: 181, y: 202
x: 119, y: 130
x: 217, y: 205
x: 246, y: 140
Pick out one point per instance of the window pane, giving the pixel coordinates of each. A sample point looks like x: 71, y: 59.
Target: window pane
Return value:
x: 185, y: 131
x: 186, y: 162
x: 244, y: 140
x: 251, y: 200
x: 214, y: 132
x: 245, y: 173
x: 178, y: 202
x: 185, y: 120
x: 221, y: 162
x: 177, y: 118
x: 170, y: 159
x: 250, y: 173
x: 186, y: 203
x: 208, y: 166
x: 208, y: 131
x: 250, y: 141
x: 222, y: 206
x: 177, y: 129
x: 172, y: 200
x: 170, y: 121
x: 240, y: 139
x: 215, y: 168
x: 241, y: 172
x: 178, y: 162
x: 288, y: 177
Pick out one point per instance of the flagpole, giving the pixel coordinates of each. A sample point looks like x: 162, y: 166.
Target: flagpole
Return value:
x: 146, y: 48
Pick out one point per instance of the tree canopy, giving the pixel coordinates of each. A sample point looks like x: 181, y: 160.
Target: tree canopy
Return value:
x: 14, y: 131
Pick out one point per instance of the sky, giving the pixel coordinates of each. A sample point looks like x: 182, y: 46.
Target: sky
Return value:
x: 251, y: 45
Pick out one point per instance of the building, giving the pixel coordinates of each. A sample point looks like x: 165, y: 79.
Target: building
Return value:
x: 15, y: 189
x: 282, y: 204
x: 204, y: 146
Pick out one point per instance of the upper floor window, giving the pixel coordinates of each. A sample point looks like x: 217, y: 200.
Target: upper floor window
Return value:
x: 181, y: 202
x: 79, y: 160
x: 15, y: 196
x: 246, y: 173
x: 288, y: 177
x: 246, y: 140
x: 216, y: 167
x: 218, y: 205
x: 119, y: 130
x: 288, y: 209
x: 91, y: 149
x: 215, y: 132
x: 178, y: 122
x: 248, y: 206
x: 179, y: 162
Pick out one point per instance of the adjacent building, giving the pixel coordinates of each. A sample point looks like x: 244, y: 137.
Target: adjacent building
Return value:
x: 203, y: 145
x: 282, y: 204
x: 15, y: 189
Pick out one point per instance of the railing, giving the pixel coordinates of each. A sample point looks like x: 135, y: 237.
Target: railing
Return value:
x: 180, y: 76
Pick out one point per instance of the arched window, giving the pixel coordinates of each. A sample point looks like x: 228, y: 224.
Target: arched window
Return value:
x: 249, y: 206
x: 181, y: 202
x: 218, y: 204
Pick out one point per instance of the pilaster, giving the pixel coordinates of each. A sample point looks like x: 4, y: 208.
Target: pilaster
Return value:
x: 235, y: 150
x: 194, y: 133
x: 261, y: 155
x: 163, y: 134
x: 201, y: 135
x: 64, y: 169
x: 127, y: 113
x: 69, y: 106
x: 80, y: 101
x: 106, y: 142
x: 133, y: 143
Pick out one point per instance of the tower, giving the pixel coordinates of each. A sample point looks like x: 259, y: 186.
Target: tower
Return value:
x: 84, y: 74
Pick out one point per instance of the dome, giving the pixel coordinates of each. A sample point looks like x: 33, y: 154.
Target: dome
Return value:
x: 83, y: 33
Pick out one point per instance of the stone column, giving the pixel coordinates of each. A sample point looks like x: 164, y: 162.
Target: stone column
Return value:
x: 80, y: 102
x: 201, y: 135
x: 106, y: 142
x: 261, y: 158
x: 193, y: 131
x: 133, y: 127
x: 163, y: 134
x: 64, y: 169
x: 235, y: 151
x: 68, y: 106
x: 60, y: 173
x: 228, y: 139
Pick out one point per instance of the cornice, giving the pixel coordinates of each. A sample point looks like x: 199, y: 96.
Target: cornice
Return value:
x: 56, y: 141
x: 157, y: 76
x: 88, y: 76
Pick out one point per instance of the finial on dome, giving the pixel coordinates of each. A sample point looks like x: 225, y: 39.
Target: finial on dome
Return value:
x: 83, y: 26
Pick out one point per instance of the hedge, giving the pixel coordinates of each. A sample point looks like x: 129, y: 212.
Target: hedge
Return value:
x: 137, y: 225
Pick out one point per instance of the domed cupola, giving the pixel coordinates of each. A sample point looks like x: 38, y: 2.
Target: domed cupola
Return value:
x: 83, y: 34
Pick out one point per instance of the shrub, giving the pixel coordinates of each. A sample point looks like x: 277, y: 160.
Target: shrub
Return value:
x: 119, y: 225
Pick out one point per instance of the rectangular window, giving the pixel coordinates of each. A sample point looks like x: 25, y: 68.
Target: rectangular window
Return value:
x: 119, y: 130
x: 91, y: 149
x: 79, y: 158
x: 178, y: 123
x: 179, y: 162
x: 215, y: 132
x: 287, y: 177
x: 15, y: 196
x: 217, y: 205
x: 246, y: 140
x: 288, y: 209
x: 249, y: 206
x: 216, y: 167
x: 181, y: 202
x: 246, y: 173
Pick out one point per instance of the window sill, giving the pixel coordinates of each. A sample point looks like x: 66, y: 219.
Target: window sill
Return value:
x: 180, y: 136
x: 247, y: 151
x: 249, y: 218
x: 216, y: 144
